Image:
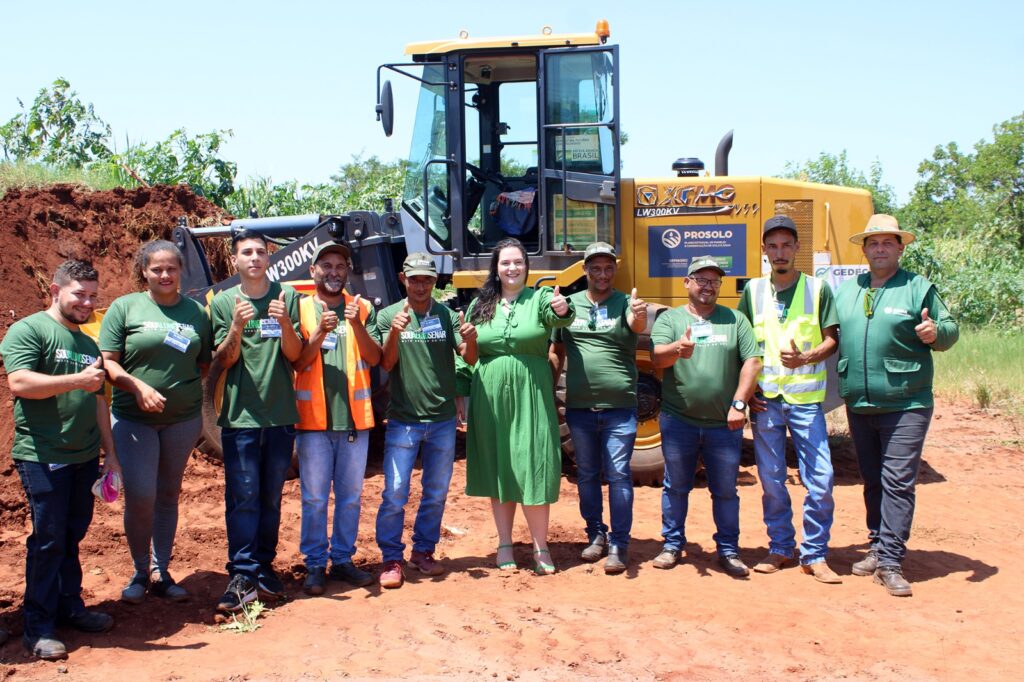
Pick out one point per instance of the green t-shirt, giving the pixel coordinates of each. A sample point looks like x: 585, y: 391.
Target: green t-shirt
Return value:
x: 827, y: 316
x: 162, y: 346
x: 61, y: 429
x: 339, y: 416
x: 258, y: 391
x: 700, y: 389
x: 423, y: 380
x: 600, y: 350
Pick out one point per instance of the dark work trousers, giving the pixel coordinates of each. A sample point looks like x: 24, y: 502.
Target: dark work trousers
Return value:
x: 60, y: 500
x: 889, y: 453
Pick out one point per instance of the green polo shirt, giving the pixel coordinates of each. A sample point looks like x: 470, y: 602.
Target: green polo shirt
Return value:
x: 600, y: 351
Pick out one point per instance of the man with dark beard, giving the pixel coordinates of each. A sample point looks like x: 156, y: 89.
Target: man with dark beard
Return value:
x: 60, y: 421
x: 332, y: 393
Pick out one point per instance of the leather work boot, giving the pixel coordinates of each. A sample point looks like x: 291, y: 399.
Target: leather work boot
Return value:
x: 595, y: 550
x: 667, y: 559
x: 733, y: 565
x: 46, y: 647
x: 822, y: 573
x: 616, y: 562
x: 866, y: 566
x: 891, y: 577
x: 772, y: 563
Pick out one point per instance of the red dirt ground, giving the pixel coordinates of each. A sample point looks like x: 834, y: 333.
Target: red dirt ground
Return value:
x: 966, y: 561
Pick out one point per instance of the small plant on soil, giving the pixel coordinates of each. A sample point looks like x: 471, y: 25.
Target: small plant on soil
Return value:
x: 246, y: 620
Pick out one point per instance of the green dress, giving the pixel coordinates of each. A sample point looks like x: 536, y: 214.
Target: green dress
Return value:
x: 512, y: 448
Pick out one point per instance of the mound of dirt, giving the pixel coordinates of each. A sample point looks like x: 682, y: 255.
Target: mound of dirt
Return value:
x: 40, y: 228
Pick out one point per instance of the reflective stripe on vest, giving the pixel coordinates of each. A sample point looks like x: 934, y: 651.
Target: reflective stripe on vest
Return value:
x: 309, y: 382
x: 803, y: 385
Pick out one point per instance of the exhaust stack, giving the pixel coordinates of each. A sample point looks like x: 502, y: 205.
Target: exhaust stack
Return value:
x: 722, y: 154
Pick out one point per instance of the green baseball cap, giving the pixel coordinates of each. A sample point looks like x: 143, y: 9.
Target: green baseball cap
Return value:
x: 331, y: 247
x: 599, y: 249
x: 702, y: 262
x: 419, y: 263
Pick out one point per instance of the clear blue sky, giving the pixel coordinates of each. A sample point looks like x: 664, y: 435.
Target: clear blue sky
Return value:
x: 295, y: 80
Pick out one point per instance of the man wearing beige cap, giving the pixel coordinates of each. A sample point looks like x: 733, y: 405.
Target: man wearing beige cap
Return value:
x: 890, y: 322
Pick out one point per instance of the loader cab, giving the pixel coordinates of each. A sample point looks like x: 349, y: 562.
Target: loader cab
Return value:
x: 513, y: 137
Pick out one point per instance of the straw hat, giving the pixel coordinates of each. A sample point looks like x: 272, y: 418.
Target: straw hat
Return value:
x: 881, y: 223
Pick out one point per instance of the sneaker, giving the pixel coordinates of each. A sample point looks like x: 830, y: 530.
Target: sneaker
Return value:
x: 316, y: 581
x: 348, y: 572
x: 46, y: 647
x: 392, y: 577
x: 891, y: 577
x: 89, y: 621
x: 772, y: 563
x: 667, y: 559
x: 240, y: 592
x: 165, y: 587
x: 269, y: 585
x: 733, y: 565
x: 135, y: 592
x: 866, y: 566
x: 425, y: 563
x: 618, y: 558
x: 597, y: 548
x: 822, y: 573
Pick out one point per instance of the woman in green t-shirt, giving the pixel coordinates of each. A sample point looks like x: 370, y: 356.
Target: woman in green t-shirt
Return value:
x: 512, y: 449
x: 156, y: 347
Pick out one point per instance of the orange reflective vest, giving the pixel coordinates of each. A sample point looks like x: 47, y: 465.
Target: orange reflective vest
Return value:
x: 309, y: 382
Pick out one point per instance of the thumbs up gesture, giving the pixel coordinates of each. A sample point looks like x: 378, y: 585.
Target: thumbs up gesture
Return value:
x: 328, y: 319
x: 92, y: 377
x: 278, y: 310
x: 558, y: 302
x: 401, y: 320
x: 243, y: 312
x: 926, y: 331
x: 353, y: 308
x: 466, y: 330
x: 792, y: 357
x: 637, y: 305
x: 686, y: 345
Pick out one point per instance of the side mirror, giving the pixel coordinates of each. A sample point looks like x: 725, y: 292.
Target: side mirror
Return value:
x: 386, y: 108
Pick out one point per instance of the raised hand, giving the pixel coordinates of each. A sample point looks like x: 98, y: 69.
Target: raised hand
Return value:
x: 466, y: 330
x: 279, y: 311
x: 243, y: 312
x: 401, y: 320
x: 792, y: 357
x: 686, y: 345
x: 637, y: 305
x: 92, y: 377
x: 558, y: 303
x: 353, y: 308
x: 328, y: 319
x: 926, y: 331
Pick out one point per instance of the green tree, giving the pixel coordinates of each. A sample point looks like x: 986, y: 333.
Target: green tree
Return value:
x: 832, y: 169
x: 58, y: 129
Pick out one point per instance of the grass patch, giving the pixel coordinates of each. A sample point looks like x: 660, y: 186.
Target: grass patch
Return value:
x: 21, y: 175
x: 984, y: 367
x: 245, y: 621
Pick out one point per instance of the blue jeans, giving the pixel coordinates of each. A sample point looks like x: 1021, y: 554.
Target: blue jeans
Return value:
x: 255, y: 464
x: 604, y: 442
x: 61, y: 502
x: 889, y: 455
x: 327, y: 457
x: 807, y: 426
x: 401, y: 443
x: 680, y: 443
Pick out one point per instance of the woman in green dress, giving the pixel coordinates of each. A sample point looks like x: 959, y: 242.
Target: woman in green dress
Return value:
x: 513, y: 453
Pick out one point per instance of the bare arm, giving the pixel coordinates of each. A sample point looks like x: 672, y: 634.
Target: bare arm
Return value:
x: 744, y: 390
x: 110, y: 461
x: 31, y: 385
x: 556, y: 358
x: 147, y: 397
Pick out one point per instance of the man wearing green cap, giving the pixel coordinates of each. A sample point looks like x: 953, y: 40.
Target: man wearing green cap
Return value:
x: 333, y: 395
x: 421, y: 337
x: 891, y: 320
x: 795, y: 324
x: 600, y: 401
x: 714, y: 361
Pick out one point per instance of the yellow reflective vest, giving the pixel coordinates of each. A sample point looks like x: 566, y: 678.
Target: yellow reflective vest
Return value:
x: 803, y: 385
x: 309, y: 382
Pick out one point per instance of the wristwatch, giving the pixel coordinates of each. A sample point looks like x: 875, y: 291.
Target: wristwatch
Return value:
x: 739, y: 405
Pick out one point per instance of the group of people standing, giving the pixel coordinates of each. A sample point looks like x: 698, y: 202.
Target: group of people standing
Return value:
x: 297, y: 376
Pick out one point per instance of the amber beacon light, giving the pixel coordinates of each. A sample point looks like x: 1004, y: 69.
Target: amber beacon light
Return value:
x: 602, y: 30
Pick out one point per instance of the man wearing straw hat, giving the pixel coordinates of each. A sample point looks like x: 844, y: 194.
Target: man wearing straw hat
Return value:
x: 890, y: 321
